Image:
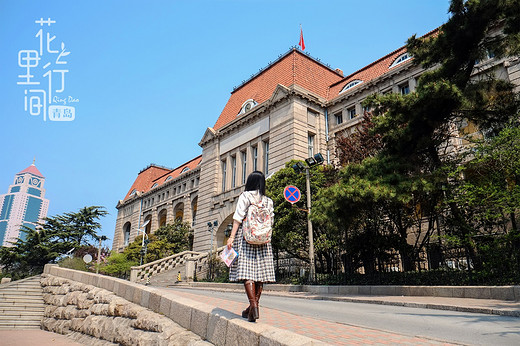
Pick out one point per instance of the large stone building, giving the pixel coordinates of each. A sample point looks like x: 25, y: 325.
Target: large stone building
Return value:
x: 293, y: 108
x: 23, y: 205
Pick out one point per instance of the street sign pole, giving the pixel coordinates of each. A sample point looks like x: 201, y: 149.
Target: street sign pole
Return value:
x: 292, y: 195
x: 309, y: 227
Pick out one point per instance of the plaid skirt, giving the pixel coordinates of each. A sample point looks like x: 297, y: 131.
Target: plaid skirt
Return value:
x: 254, y: 262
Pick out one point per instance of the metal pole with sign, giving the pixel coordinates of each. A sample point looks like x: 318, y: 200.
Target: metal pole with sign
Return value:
x: 299, y: 167
x: 312, y: 273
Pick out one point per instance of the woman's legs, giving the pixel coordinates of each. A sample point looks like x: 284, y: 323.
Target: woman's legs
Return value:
x: 258, y: 292
x: 250, y: 288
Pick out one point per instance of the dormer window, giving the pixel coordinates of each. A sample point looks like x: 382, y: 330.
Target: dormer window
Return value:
x: 169, y: 178
x: 247, y: 106
x: 185, y: 169
x: 400, y: 59
x: 154, y: 185
x: 134, y: 191
x: 351, y: 85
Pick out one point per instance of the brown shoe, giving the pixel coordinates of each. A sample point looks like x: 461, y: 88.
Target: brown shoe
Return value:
x: 258, y: 292
x: 249, y: 286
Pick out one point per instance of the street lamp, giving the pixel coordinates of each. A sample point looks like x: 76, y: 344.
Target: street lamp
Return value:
x: 299, y: 167
x: 211, y: 228
x: 227, y: 231
x: 101, y: 239
x: 143, y: 249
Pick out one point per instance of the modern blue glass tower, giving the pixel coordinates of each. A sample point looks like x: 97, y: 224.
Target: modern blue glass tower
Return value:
x: 23, y: 205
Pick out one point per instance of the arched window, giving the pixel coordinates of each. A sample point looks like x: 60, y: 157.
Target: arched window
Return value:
x: 162, y: 217
x: 247, y: 106
x: 126, y: 233
x: 185, y: 169
x: 400, y: 59
x: 351, y: 84
x: 169, y: 178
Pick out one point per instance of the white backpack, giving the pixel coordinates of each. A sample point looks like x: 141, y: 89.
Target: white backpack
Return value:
x: 258, y: 223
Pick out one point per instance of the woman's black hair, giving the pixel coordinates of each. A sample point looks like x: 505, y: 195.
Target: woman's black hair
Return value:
x: 256, y: 181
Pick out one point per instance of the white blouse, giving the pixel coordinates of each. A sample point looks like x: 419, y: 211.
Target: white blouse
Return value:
x: 245, y: 199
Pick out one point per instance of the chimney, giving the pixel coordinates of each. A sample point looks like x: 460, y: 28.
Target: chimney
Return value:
x: 340, y: 71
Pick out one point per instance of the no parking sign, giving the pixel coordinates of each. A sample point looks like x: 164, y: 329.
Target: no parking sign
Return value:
x: 291, y: 194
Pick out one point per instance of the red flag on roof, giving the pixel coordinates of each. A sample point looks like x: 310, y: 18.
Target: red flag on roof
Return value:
x: 301, y: 43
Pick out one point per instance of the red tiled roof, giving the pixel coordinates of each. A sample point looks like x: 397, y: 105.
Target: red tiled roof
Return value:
x: 368, y: 73
x: 375, y: 69
x: 294, y: 67
x: 145, y: 178
x: 174, y: 173
x: 33, y: 170
x: 154, y: 174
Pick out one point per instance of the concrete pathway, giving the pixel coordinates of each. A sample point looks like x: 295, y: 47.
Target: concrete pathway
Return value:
x: 30, y: 337
x: 325, y: 331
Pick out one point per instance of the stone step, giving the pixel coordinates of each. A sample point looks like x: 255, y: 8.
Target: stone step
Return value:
x: 14, y: 295
x: 22, y: 307
x: 21, y: 304
x: 21, y: 298
x: 20, y: 292
x: 22, y: 284
x: 20, y: 325
x: 13, y: 315
x: 15, y: 304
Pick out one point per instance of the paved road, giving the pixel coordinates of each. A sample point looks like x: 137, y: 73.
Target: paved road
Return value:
x: 448, y: 326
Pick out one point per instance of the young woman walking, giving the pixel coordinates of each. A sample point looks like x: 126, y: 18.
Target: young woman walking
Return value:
x: 254, y: 264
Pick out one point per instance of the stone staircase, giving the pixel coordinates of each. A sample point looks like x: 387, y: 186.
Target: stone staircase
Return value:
x: 21, y: 304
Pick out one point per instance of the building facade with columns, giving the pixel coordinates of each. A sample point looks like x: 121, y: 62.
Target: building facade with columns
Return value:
x: 23, y: 205
x: 292, y: 109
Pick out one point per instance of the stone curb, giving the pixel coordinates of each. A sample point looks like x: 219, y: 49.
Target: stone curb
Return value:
x: 510, y: 293
x: 218, y: 326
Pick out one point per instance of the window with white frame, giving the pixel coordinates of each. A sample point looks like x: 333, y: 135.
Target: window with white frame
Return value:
x: 233, y: 171
x: 224, y: 174
x: 255, y: 158
x: 266, y: 157
x: 310, y: 141
x: 351, y: 112
x: 339, y: 118
x: 351, y: 85
x: 244, y: 166
x: 247, y: 106
x: 400, y: 59
x: 404, y: 89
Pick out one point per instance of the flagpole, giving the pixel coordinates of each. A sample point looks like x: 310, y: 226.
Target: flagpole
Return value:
x: 301, y: 43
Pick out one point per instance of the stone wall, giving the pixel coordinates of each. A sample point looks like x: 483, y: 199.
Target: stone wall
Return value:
x: 95, y: 316
x: 211, y: 323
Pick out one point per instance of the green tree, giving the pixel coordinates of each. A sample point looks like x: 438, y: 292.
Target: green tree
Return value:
x: 51, y: 239
x: 118, y: 265
x: 486, y: 188
x: 290, y: 232
x: 166, y: 241
x: 395, y: 165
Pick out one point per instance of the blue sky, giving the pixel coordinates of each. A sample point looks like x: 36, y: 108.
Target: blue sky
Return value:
x: 150, y: 76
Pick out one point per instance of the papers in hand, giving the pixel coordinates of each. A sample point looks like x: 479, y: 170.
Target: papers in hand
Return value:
x: 228, y: 255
